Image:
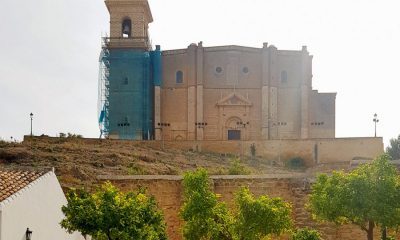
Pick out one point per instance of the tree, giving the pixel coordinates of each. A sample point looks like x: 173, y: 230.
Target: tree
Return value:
x: 367, y: 196
x: 260, y: 217
x: 111, y: 214
x: 394, y: 148
x: 207, y: 218
x: 306, y: 234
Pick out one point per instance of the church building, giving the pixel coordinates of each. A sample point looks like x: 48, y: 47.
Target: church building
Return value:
x: 204, y: 93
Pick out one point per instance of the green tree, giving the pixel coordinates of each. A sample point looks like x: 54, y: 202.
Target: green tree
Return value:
x: 394, y: 148
x: 258, y: 218
x: 207, y: 218
x: 111, y: 214
x: 306, y: 234
x: 367, y: 196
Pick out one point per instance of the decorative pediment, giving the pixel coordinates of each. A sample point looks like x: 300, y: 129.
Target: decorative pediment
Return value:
x: 234, y: 99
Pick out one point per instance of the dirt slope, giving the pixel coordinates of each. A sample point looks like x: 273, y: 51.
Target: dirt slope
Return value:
x: 79, y: 161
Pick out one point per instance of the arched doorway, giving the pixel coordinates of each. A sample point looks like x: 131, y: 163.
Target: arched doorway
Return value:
x: 233, y: 132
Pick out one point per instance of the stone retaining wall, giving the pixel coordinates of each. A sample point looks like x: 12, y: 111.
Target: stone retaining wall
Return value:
x: 294, y: 188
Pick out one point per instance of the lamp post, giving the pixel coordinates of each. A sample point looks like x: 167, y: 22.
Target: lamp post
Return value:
x: 376, y: 120
x: 31, y: 115
x: 28, y: 234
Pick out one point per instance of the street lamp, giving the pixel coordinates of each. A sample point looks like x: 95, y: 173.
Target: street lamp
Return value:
x: 28, y: 234
x: 376, y: 120
x: 31, y: 115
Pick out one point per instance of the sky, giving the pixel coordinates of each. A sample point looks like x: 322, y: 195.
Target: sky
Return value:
x: 50, y: 49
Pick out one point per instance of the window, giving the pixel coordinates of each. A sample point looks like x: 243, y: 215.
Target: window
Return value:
x: 125, y: 81
x: 126, y: 28
x: 284, y: 77
x: 179, y: 77
x: 233, y: 134
x: 245, y: 70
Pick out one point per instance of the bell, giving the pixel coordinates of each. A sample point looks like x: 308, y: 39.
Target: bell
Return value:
x: 126, y: 29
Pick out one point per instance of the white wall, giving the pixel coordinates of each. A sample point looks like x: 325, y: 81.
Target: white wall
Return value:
x: 37, y: 206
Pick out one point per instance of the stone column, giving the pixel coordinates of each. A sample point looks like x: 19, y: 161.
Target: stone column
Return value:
x: 191, y: 92
x: 273, y: 93
x: 157, y: 78
x: 199, y: 91
x: 265, y: 93
x: 305, y: 93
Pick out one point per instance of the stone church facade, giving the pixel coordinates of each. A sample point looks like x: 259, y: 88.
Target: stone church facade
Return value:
x: 209, y: 93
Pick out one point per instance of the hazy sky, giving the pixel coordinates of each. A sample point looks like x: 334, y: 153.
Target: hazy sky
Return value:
x: 50, y: 48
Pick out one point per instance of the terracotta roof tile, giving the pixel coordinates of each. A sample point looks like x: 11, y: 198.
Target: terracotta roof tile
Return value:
x: 13, y: 181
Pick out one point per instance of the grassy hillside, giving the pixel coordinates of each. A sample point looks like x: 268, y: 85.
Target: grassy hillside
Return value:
x: 78, y: 161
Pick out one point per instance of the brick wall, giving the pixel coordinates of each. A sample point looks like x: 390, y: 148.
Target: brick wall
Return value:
x: 291, y: 187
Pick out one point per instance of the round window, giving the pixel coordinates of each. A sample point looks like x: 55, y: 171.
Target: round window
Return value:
x: 218, y: 70
x: 245, y: 70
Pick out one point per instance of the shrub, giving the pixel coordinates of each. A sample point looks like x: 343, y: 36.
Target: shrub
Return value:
x: 15, y: 154
x: 237, y: 168
x: 134, y: 169
x: 73, y: 135
x: 306, y: 234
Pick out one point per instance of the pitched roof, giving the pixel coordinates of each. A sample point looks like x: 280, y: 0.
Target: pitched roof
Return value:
x: 13, y: 181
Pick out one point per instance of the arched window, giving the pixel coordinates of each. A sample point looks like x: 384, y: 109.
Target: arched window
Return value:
x: 284, y: 77
x: 126, y: 28
x: 179, y: 77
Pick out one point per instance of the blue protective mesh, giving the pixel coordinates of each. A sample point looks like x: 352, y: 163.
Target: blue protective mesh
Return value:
x: 130, y: 100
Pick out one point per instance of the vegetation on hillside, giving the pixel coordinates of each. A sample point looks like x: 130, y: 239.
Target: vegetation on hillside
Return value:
x: 79, y: 161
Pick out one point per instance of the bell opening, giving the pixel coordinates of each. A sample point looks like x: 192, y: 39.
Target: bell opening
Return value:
x: 126, y: 28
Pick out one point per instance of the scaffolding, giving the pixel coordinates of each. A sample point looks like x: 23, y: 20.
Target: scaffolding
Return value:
x: 103, y: 89
x: 127, y: 77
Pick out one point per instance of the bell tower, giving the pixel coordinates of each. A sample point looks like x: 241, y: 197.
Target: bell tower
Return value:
x: 129, y: 73
x: 129, y: 23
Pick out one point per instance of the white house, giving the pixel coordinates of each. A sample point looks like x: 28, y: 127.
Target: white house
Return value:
x: 32, y: 200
